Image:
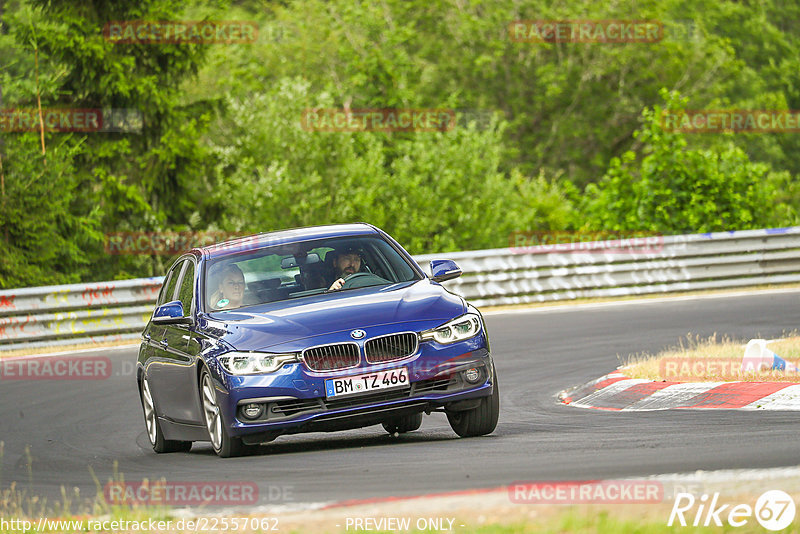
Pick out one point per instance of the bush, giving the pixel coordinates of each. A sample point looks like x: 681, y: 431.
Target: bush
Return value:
x: 45, y: 232
x: 665, y: 187
x: 433, y: 191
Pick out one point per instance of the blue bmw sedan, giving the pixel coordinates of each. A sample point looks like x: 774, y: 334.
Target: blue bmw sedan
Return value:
x: 312, y: 329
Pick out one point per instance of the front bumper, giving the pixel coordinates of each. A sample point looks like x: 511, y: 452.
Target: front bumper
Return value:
x: 294, y: 398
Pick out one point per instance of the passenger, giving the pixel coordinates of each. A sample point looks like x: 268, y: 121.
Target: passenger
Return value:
x: 230, y: 292
x: 347, y: 261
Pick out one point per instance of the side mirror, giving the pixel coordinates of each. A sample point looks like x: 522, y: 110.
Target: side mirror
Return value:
x: 171, y: 313
x: 442, y: 270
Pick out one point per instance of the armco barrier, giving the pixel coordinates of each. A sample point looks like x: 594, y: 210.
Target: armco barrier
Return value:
x: 57, y: 315
x: 78, y: 313
x: 684, y: 262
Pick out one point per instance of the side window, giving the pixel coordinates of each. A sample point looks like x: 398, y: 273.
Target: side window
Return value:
x: 174, y: 274
x: 162, y: 295
x: 186, y: 292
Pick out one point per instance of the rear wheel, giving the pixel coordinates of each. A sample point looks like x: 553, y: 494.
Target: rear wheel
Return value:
x: 223, y: 443
x: 478, y: 421
x: 403, y: 424
x: 153, y: 428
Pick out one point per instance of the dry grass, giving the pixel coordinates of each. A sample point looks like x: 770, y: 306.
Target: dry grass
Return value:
x: 712, y: 360
x: 18, y: 501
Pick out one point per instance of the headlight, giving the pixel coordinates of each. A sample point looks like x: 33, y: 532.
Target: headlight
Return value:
x: 458, y: 329
x: 254, y: 363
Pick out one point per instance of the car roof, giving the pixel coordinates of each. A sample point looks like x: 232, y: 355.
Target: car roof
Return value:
x: 283, y: 237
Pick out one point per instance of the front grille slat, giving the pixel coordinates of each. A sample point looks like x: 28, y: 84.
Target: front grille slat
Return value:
x: 442, y: 384
x: 332, y: 357
x: 289, y: 408
x: 392, y: 347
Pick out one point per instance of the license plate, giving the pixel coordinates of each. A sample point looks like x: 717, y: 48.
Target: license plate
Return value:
x: 354, y: 385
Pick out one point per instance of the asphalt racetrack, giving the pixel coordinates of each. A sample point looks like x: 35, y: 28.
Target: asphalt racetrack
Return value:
x: 71, y: 426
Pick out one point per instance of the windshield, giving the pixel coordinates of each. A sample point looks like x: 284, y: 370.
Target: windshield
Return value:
x: 297, y: 270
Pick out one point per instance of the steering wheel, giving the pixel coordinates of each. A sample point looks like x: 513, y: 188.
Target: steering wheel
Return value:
x: 350, y: 279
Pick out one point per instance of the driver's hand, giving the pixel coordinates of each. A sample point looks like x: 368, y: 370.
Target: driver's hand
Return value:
x: 337, y: 285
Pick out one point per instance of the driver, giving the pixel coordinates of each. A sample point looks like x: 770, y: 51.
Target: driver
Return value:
x: 346, y: 262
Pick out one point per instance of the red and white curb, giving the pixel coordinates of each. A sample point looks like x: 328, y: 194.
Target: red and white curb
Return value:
x: 617, y: 392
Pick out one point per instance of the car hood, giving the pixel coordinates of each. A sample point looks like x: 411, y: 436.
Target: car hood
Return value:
x: 258, y: 327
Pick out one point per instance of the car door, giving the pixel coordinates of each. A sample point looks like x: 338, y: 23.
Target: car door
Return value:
x: 193, y: 349
x: 156, y: 366
x: 149, y: 344
x: 180, y: 395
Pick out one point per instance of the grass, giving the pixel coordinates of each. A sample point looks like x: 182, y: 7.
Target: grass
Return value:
x: 18, y: 502
x: 583, y: 522
x: 711, y: 360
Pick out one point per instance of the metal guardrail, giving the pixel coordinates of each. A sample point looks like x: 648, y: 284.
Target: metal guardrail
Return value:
x: 76, y: 313
x: 108, y: 311
x: 675, y: 263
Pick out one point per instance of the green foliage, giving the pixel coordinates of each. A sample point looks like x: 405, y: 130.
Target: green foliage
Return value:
x: 222, y: 147
x: 140, y: 181
x: 669, y: 188
x: 39, y: 222
x: 570, y: 106
x: 432, y: 191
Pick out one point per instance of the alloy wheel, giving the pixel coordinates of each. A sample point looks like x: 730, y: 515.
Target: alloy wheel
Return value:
x: 149, y: 413
x: 211, y: 410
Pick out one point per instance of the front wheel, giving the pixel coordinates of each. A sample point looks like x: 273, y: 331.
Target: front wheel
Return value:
x: 223, y: 443
x: 403, y: 424
x: 478, y: 421
x: 154, y: 433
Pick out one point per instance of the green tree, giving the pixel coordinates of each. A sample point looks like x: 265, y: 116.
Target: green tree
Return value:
x: 570, y: 106
x: 433, y: 191
x: 142, y: 180
x: 222, y: 146
x: 666, y: 187
x: 43, y: 238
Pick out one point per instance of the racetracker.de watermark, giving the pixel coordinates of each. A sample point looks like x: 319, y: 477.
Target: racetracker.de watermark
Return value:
x: 180, y: 32
x: 377, y: 120
x: 734, y: 121
x: 171, y: 243
x: 586, y: 31
x: 56, y: 368
x: 71, y: 120
x: 684, y: 369
x: 565, y: 241
x: 181, y: 493
x: 587, y: 491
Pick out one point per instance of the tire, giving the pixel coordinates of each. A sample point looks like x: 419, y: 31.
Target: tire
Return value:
x: 478, y: 421
x: 403, y: 424
x: 225, y: 445
x: 153, y: 428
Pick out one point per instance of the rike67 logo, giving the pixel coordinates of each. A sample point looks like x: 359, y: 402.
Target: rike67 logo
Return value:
x: 774, y: 510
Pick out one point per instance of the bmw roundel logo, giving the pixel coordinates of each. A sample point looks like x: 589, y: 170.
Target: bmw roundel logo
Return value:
x: 357, y: 334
